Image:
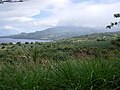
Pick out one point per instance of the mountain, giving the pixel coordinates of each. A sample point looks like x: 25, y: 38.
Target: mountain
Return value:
x: 58, y: 33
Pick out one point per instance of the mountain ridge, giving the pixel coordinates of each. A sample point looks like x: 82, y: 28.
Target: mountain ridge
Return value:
x: 57, y: 33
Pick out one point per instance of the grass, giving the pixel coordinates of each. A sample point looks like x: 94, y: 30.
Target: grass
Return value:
x: 86, y: 65
x: 88, y: 75
x: 92, y: 74
x: 21, y: 78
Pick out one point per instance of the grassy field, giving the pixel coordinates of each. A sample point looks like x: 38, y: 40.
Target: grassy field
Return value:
x: 79, y: 63
x: 92, y: 74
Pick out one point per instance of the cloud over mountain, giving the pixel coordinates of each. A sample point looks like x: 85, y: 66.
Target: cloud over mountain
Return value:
x: 34, y: 15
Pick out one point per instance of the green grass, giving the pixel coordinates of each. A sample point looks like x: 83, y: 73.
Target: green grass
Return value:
x: 88, y: 75
x: 92, y: 74
x: 61, y: 65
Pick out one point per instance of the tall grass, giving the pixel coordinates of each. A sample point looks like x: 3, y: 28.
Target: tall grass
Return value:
x: 88, y: 75
x: 66, y: 75
x: 24, y: 77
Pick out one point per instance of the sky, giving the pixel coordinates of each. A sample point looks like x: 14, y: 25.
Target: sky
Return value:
x: 37, y: 15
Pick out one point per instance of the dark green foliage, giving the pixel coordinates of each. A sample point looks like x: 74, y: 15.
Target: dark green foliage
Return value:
x: 10, y: 43
x: 26, y: 42
x: 101, y: 39
x: 116, y: 42
x: 3, y: 43
x: 2, y: 47
x: 18, y: 43
x: 31, y: 43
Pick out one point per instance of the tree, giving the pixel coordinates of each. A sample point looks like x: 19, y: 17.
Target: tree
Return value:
x: 3, y: 43
x: 26, y: 42
x: 11, y: 1
x: 10, y: 43
x: 18, y: 43
x: 31, y: 43
x: 117, y: 15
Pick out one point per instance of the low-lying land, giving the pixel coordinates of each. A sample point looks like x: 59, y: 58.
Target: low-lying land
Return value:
x: 90, y: 62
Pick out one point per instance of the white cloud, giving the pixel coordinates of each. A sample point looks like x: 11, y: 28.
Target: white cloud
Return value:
x: 92, y: 14
x: 21, y: 19
x: 47, y: 23
x: 65, y: 12
x: 29, y: 8
x: 7, y: 27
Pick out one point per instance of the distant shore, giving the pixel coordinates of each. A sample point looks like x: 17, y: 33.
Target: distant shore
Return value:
x: 8, y: 40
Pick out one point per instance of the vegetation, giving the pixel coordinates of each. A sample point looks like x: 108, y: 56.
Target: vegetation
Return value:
x: 69, y: 75
x: 79, y: 63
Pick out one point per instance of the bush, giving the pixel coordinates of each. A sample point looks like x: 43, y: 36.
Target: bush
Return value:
x: 10, y: 43
x: 18, y: 43
x: 101, y: 39
x: 3, y: 47
x: 3, y: 43
x: 26, y: 42
x: 116, y: 42
x: 31, y: 43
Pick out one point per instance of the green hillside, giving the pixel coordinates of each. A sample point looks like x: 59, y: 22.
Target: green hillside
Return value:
x: 90, y: 62
x: 58, y: 33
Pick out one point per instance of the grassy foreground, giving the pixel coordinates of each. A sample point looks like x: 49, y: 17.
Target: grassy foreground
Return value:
x: 92, y: 74
x: 73, y: 64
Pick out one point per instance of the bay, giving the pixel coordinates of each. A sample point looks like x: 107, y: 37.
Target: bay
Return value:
x: 8, y: 40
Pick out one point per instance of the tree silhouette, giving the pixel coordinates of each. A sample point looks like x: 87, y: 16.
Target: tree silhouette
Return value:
x: 117, y: 15
x: 114, y: 23
x: 11, y: 1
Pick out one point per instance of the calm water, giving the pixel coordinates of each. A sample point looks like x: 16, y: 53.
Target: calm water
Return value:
x: 7, y: 40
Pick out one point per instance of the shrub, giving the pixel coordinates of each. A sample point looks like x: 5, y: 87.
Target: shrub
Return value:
x: 26, y: 42
x: 2, y: 47
x: 10, y: 43
x: 3, y: 43
x: 116, y: 42
x: 18, y: 43
x: 31, y: 43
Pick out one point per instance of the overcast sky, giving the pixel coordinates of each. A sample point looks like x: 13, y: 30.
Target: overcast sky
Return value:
x: 35, y: 15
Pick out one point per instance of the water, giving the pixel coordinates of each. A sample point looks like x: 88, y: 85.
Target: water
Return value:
x: 8, y: 40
